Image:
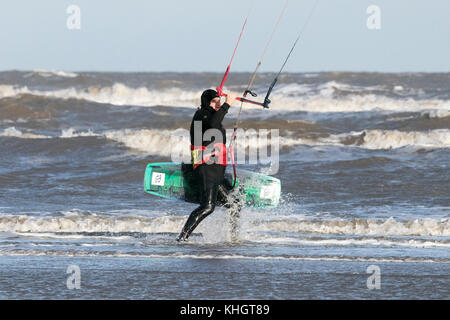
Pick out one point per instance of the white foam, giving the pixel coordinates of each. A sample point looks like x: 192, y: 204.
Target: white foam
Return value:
x: 72, y: 133
x: 13, y: 132
x: 392, y: 139
x: 118, y: 94
x: 48, y: 235
x: 290, y: 97
x: 389, y: 227
x: 379, y: 139
x: 436, y: 113
x: 353, y: 103
x: 119, y: 254
x: 91, y: 223
x: 154, y: 142
x: 411, y: 243
x: 322, y: 99
x: 175, y: 143
x: 12, y: 91
x: 66, y: 133
x: 51, y: 73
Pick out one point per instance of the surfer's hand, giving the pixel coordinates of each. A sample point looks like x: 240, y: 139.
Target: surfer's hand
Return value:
x: 230, y: 98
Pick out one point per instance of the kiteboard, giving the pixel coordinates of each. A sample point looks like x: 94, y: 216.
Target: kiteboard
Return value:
x: 173, y: 181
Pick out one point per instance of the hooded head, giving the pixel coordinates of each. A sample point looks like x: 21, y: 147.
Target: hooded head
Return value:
x: 207, y: 96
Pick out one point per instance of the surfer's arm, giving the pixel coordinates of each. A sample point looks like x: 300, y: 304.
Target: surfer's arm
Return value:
x: 216, y: 119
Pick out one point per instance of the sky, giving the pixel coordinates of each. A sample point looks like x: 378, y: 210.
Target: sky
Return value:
x: 200, y: 35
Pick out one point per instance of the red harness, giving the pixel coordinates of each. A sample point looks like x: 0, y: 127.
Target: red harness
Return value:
x: 199, y: 157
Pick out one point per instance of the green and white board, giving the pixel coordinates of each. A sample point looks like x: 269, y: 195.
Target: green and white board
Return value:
x: 167, y: 179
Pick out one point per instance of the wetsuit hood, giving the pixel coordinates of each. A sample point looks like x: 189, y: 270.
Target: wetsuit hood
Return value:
x: 207, y: 96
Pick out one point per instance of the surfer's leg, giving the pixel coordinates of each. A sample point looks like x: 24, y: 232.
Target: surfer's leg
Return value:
x: 207, y: 205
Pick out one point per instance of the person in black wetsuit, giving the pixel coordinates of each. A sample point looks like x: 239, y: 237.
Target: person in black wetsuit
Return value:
x: 209, y: 161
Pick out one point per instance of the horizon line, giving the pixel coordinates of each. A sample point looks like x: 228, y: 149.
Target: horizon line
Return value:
x: 219, y: 72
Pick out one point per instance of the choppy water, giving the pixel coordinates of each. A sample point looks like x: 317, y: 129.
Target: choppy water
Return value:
x: 364, y: 166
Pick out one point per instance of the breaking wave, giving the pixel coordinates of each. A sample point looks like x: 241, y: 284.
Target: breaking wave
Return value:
x: 166, y: 142
x: 173, y: 142
x: 118, y: 94
x: 391, y: 139
x: 292, y: 97
x: 96, y: 223
x: 51, y: 73
x: 391, y: 227
x: 13, y: 132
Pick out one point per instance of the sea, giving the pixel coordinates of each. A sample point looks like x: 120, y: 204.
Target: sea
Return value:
x: 363, y: 160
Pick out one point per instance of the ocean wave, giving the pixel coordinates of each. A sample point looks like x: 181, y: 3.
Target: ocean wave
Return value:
x: 333, y: 96
x: 13, y: 132
x: 353, y: 103
x: 51, y: 73
x: 392, y: 139
x: 373, y: 139
x: 389, y: 227
x: 92, y: 223
x: 154, y: 142
x: 173, y: 224
x: 374, y: 241
x: 167, y: 142
x: 175, y: 142
x: 118, y: 94
x: 73, y: 133
x: 291, y: 97
x: 140, y: 255
x: 65, y: 134
x: 432, y: 114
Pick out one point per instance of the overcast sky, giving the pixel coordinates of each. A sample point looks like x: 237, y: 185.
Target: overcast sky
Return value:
x: 199, y: 35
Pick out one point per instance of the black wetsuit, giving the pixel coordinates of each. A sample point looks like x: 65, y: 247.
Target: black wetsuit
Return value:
x: 214, y: 189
